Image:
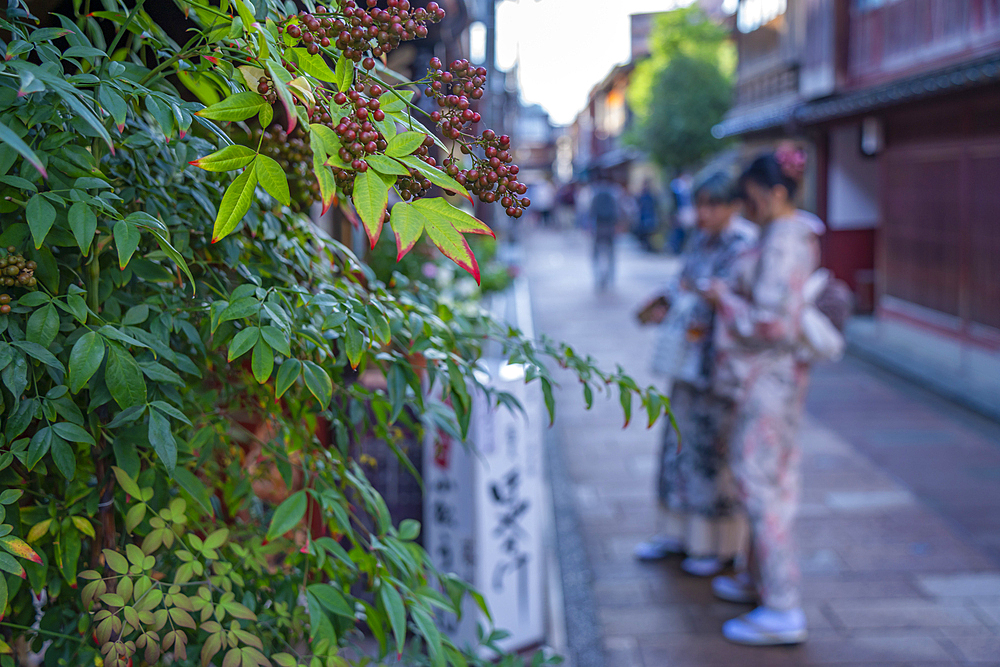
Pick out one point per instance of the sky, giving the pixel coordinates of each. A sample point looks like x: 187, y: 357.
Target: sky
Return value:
x: 566, y: 46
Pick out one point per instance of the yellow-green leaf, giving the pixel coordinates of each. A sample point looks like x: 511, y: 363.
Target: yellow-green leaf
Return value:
x: 83, y: 526
x: 461, y: 221
x: 38, y: 531
x: 405, y: 144
x: 226, y: 159
x: 371, y: 196
x: 315, y: 65
x: 407, y: 224
x: 273, y: 178
x: 235, y: 203
x: 235, y: 107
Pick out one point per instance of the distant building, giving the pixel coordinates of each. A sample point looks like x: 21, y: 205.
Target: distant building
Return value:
x: 900, y: 103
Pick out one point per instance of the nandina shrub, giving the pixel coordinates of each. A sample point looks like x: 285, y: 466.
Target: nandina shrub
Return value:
x: 180, y: 348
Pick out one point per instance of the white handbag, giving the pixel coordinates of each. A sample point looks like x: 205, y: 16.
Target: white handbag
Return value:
x: 671, y: 336
x: 821, y: 339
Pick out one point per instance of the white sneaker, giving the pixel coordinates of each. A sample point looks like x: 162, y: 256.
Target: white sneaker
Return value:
x: 767, y: 627
x: 658, y: 548
x: 702, y: 566
x: 738, y: 588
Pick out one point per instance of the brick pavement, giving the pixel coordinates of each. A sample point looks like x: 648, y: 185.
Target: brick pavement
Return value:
x: 899, y: 532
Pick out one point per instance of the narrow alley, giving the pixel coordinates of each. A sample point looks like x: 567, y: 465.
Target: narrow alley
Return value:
x: 897, y: 532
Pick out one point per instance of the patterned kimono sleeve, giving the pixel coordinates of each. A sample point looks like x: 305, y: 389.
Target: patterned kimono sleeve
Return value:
x: 767, y: 312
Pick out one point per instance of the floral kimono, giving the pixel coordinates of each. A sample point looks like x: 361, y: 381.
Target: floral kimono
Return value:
x: 694, y: 477
x: 758, y: 364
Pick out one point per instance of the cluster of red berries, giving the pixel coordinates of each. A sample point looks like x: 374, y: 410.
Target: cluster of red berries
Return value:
x: 492, y: 177
x: 455, y: 89
x: 266, y: 88
x: 292, y: 152
x: 352, y: 28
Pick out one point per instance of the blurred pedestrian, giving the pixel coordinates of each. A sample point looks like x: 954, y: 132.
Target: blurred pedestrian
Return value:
x: 543, y: 200
x: 648, y: 215
x: 606, y: 212
x: 759, y: 365
x: 702, y: 515
x: 684, y: 216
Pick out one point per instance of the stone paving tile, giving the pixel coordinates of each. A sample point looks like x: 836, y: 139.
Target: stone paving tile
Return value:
x: 983, y: 584
x: 901, y: 613
x: 888, y: 580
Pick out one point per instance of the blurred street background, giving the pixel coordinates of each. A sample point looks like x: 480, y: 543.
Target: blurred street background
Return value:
x: 898, y: 530
x: 896, y: 104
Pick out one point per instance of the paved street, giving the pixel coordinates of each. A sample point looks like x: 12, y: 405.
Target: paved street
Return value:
x: 899, y: 531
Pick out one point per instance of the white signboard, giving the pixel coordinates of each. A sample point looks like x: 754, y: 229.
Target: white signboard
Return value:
x: 490, y: 505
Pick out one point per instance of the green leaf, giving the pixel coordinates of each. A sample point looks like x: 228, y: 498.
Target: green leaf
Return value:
x: 315, y: 65
x: 43, y: 325
x: 460, y: 220
x: 407, y: 225
x: 74, y: 433
x: 235, y: 203
x: 242, y: 342
x: 38, y: 352
x: 379, y: 323
x: 273, y: 178
x: 426, y: 627
x: 15, y: 375
x: 409, y: 529
x: 355, y: 343
x: 262, y: 362
x: 127, y: 483
x: 386, y: 165
x: 394, y: 100
x: 276, y: 339
x: 136, y: 315
x: 344, y: 73
x: 39, y: 446
x: 113, y: 104
x: 127, y: 240
x: 162, y: 440
x: 226, y: 159
x: 195, y: 487
x: 244, y: 306
x: 318, y: 382
x: 64, y: 458
x: 371, y: 196
x: 331, y: 599
x: 84, y: 360
x: 288, y: 515
x: 83, y: 222
x: 288, y: 372
x: 8, y: 136
x: 8, y: 564
x: 124, y: 379
x: 116, y: 561
x: 392, y: 602
x: 40, y: 214
x: 405, y: 144
x: 550, y: 403
x: 216, y: 539
x: 235, y: 107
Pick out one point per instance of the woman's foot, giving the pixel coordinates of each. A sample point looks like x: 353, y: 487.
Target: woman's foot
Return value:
x: 737, y: 588
x: 658, y: 548
x: 767, y: 627
x: 702, y: 566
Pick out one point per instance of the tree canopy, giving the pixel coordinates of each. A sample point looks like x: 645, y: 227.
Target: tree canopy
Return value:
x: 683, y: 88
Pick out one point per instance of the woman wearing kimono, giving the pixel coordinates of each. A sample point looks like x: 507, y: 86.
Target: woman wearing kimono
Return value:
x: 695, y: 487
x: 759, y: 365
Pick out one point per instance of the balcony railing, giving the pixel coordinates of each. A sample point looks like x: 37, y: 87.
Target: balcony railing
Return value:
x: 895, y: 38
